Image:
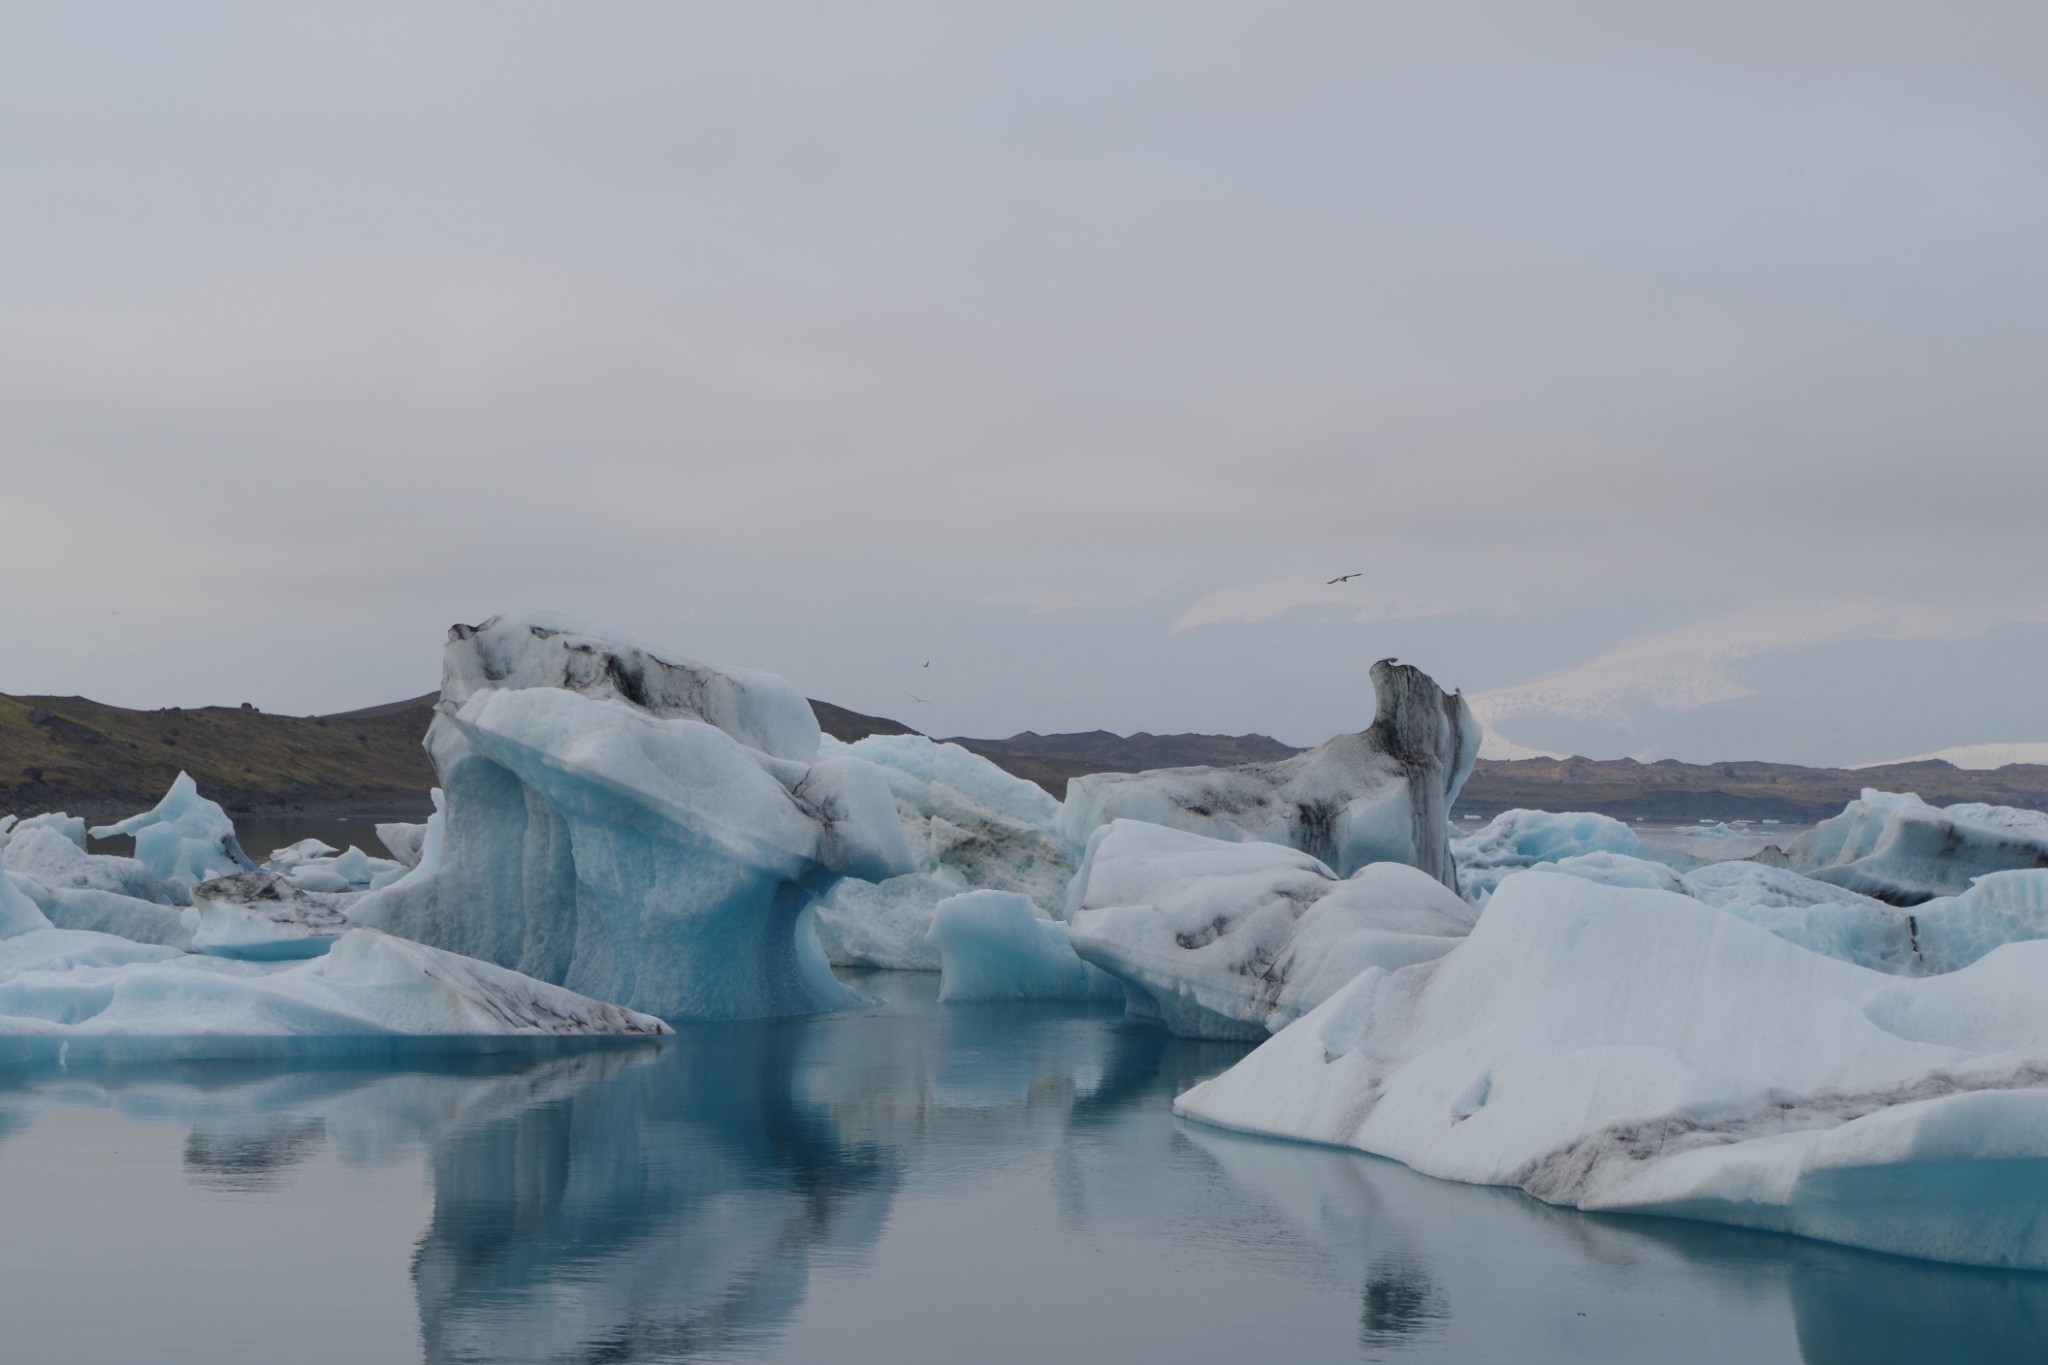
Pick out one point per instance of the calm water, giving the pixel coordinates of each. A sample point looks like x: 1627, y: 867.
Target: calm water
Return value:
x: 909, y: 1183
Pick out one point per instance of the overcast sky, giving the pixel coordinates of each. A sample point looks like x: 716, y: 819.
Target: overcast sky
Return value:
x: 1618, y: 347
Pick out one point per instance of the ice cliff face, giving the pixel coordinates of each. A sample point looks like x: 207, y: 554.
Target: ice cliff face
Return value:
x: 636, y: 829
x: 1383, y: 794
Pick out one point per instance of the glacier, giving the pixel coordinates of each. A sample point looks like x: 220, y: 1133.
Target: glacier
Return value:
x: 184, y: 838
x: 969, y: 824
x: 1629, y: 1050
x: 996, y: 945
x: 636, y: 828
x: 1895, y: 847
x: 1235, y: 941
x: 1383, y: 794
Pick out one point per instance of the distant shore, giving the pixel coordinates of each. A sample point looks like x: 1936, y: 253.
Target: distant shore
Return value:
x: 104, y: 762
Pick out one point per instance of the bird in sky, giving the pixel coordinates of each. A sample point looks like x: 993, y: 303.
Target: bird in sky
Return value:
x: 927, y: 663
x: 914, y: 697
x: 1344, y: 578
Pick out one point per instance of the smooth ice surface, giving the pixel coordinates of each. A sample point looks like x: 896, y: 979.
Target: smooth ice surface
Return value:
x: 970, y: 826
x: 1629, y: 1050
x: 1381, y: 795
x: 1224, y: 940
x: 639, y: 830
x: 910, y: 1184
x: 184, y: 838
x: 1896, y: 847
x: 1517, y: 839
x: 995, y: 945
x: 67, y: 993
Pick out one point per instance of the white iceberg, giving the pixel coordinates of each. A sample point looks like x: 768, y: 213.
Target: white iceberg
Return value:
x: 1933, y: 937
x: 1381, y: 795
x: 65, y: 989
x: 1899, y: 849
x: 970, y: 825
x: 636, y: 829
x: 995, y: 945
x: 184, y: 838
x: 1517, y: 839
x: 1235, y: 941
x: 78, y: 890
x: 1637, y: 1051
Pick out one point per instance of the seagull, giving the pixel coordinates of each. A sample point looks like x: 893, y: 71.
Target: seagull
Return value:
x: 914, y: 697
x: 1344, y: 578
x: 927, y: 663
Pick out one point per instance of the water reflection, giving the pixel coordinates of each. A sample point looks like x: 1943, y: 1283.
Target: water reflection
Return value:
x: 753, y: 1191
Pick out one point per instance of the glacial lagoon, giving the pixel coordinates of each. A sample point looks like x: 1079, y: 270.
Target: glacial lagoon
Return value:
x: 908, y: 1182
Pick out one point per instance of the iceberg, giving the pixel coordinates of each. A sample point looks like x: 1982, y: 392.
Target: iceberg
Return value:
x: 995, y: 945
x: 100, y: 996
x: 1897, y: 848
x: 184, y: 838
x: 1517, y: 839
x: 970, y: 826
x: 1931, y: 938
x: 79, y: 890
x: 1235, y: 941
x: 636, y: 829
x: 1717, y: 1072
x: 1383, y: 794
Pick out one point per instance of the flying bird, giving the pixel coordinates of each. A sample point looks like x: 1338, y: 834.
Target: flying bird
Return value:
x: 927, y: 663
x: 1344, y: 578
x: 914, y: 697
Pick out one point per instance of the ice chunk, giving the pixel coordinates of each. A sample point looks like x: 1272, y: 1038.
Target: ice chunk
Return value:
x: 969, y: 824
x: 1517, y: 839
x: 353, y: 870
x: 1718, y: 1072
x: 599, y: 833
x: 108, y: 912
x: 1223, y: 940
x: 1383, y: 794
x: 403, y: 841
x: 1899, y: 849
x: 995, y: 945
x: 71, y: 827
x: 51, y: 858
x: 18, y: 913
x: 119, y: 998
x: 265, y: 917
x: 304, y: 851
x: 184, y: 838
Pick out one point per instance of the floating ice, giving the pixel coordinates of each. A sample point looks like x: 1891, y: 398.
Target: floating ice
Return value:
x: 184, y: 838
x: 1383, y: 794
x: 970, y: 826
x: 1896, y: 847
x: 1619, y: 869
x: 352, y: 870
x: 118, y: 998
x: 46, y: 854
x: 18, y: 913
x: 995, y: 945
x: 71, y: 827
x: 635, y: 829
x: 1224, y: 940
x: 1638, y: 1051
x: 1517, y: 839
x: 304, y: 851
